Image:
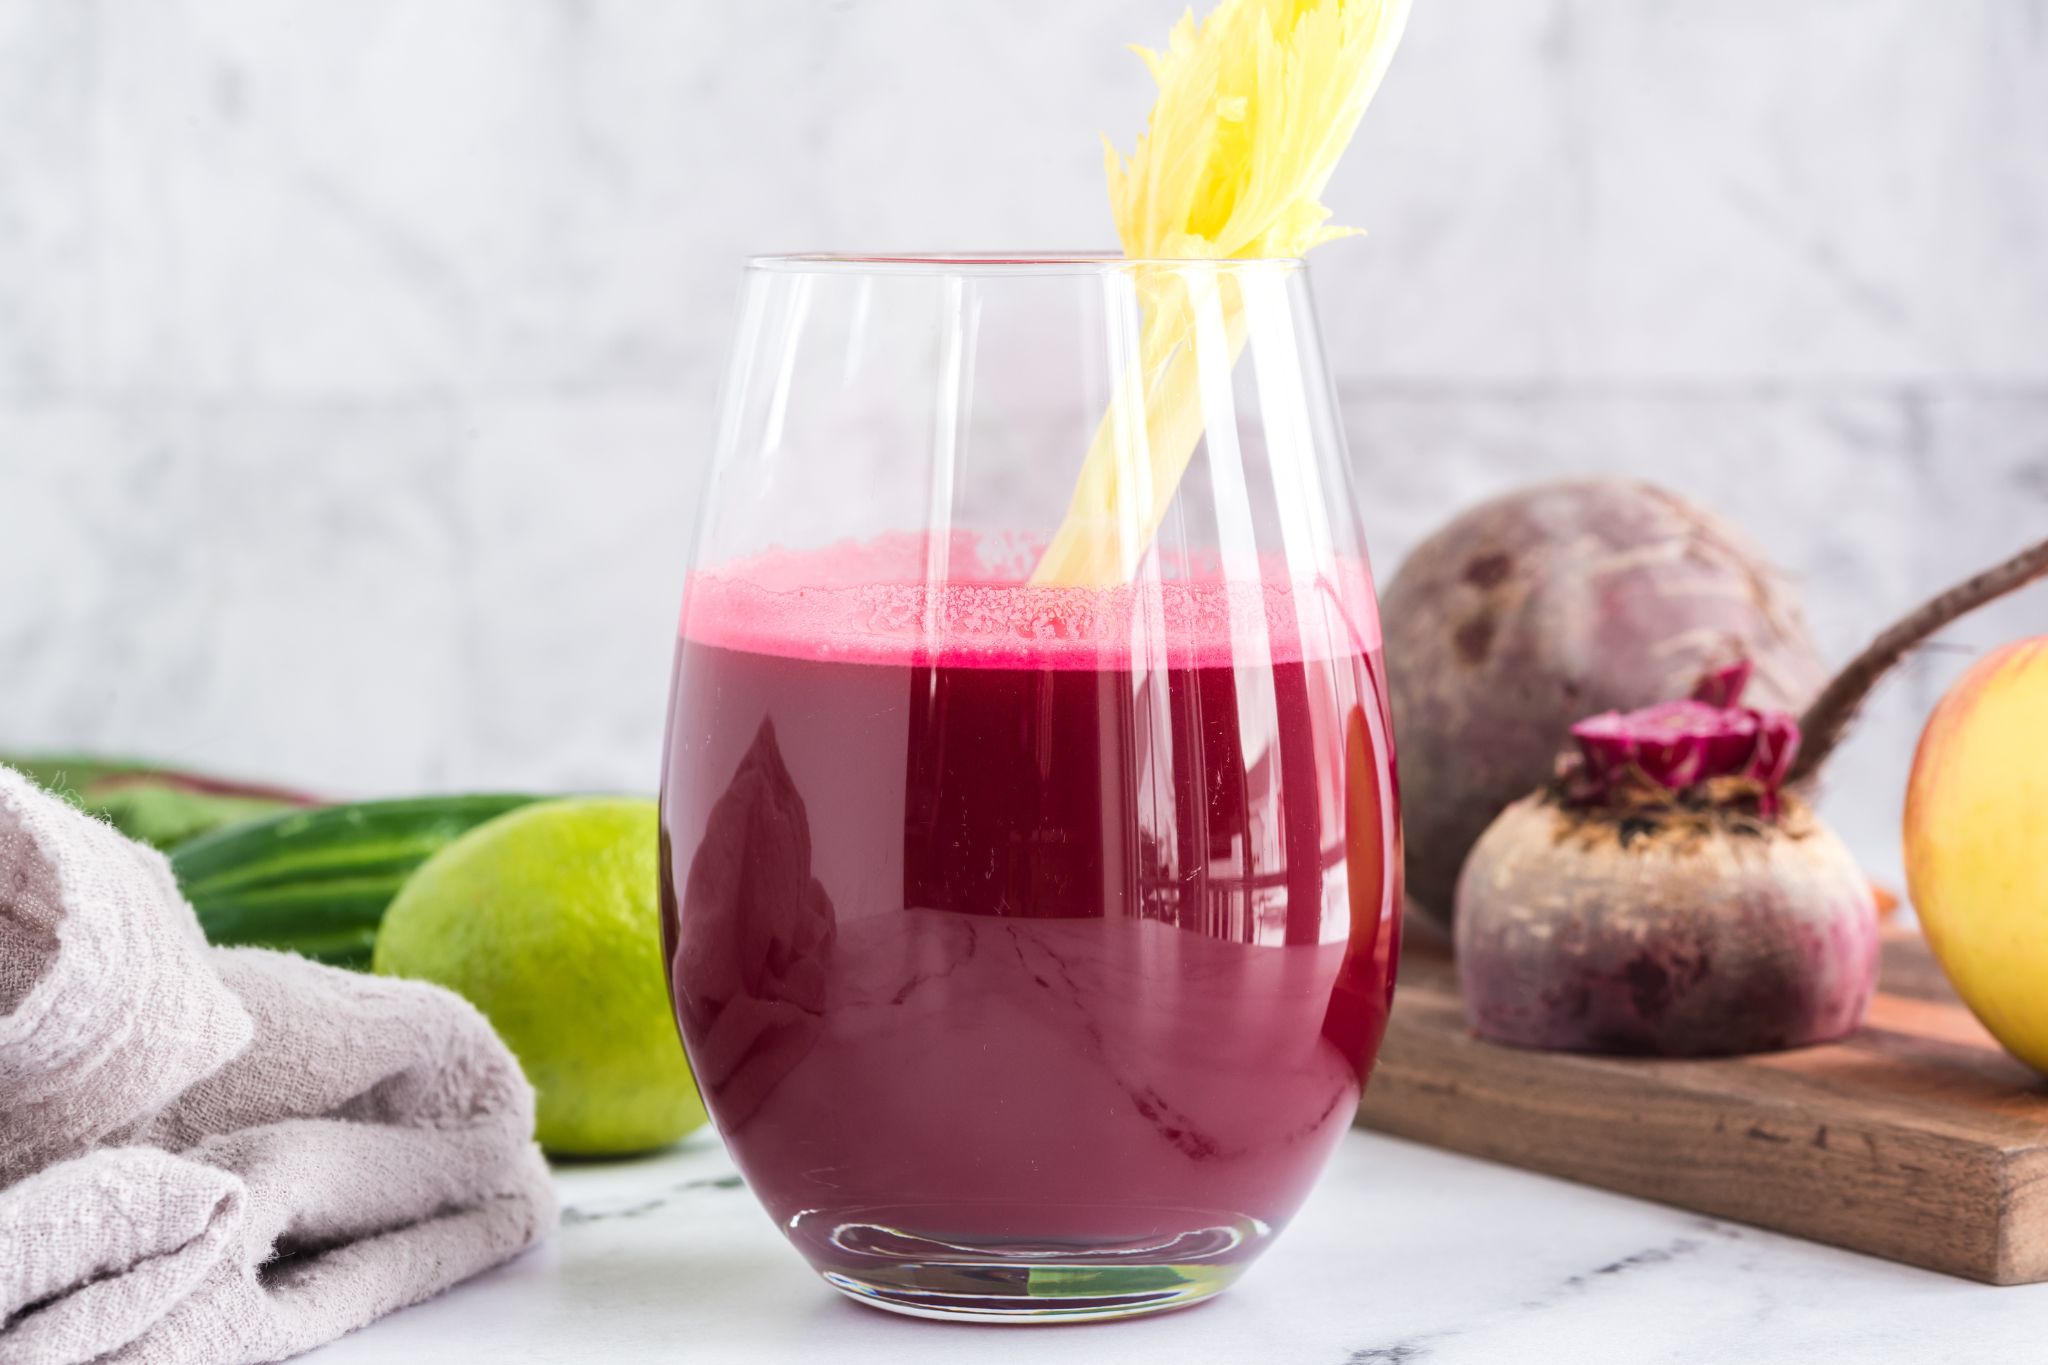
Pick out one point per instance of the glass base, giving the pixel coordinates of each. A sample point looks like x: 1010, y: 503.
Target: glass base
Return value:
x: 1007, y: 1292
x: 966, y: 1280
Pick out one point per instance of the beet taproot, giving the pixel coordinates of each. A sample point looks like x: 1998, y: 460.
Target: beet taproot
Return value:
x: 1535, y: 609
x: 1572, y: 935
x: 1665, y: 894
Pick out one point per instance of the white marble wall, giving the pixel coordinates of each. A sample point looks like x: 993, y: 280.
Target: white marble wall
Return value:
x: 355, y: 354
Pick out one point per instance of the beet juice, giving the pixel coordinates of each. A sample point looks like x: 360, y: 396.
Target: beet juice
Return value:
x: 1028, y: 934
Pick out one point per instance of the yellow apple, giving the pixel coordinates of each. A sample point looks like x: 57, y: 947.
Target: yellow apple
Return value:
x: 1977, y: 843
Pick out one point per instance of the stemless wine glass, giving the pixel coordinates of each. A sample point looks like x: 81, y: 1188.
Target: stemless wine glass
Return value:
x: 1029, y: 836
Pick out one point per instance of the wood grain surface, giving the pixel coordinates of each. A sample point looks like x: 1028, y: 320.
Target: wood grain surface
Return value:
x: 1918, y: 1139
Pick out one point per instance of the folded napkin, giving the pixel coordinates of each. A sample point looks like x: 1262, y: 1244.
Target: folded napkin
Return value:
x: 225, y: 1154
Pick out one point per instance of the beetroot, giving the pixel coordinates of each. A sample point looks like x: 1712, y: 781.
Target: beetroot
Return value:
x: 1570, y: 934
x: 1665, y: 895
x: 1543, y: 606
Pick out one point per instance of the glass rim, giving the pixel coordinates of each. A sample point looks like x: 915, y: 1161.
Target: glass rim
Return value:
x: 1002, y: 263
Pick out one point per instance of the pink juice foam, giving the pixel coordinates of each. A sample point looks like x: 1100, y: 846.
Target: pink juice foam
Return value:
x: 1004, y: 917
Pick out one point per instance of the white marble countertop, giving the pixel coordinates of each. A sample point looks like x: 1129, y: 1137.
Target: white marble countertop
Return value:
x: 1403, y: 1255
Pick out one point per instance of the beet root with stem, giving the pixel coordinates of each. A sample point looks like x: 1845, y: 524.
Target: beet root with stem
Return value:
x: 1676, y: 933
x: 1548, y: 604
x: 1664, y: 895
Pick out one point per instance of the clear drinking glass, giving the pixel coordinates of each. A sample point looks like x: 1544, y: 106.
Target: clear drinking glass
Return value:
x: 1030, y: 917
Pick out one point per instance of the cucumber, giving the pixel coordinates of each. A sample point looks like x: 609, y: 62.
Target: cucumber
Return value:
x: 318, y: 881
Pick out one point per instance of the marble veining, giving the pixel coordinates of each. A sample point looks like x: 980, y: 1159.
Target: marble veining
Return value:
x: 1403, y: 1255
x: 356, y: 364
x: 1400, y: 1353
x: 574, y: 1215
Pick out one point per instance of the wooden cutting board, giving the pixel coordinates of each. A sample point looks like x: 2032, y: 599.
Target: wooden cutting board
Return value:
x: 1918, y: 1139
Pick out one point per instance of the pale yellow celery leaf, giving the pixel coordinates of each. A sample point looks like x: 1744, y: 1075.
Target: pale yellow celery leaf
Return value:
x: 1256, y: 104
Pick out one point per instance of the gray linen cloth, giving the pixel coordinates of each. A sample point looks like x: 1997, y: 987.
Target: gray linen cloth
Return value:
x: 225, y: 1155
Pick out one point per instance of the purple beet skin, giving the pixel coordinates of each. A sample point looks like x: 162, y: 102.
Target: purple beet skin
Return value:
x: 1665, y: 897
x: 1535, y: 609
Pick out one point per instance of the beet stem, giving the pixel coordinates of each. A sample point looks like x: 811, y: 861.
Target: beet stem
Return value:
x: 1827, y: 721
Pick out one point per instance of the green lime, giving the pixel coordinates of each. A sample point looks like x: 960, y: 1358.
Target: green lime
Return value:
x: 545, y: 919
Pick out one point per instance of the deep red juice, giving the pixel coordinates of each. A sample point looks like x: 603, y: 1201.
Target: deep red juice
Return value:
x: 1008, y: 920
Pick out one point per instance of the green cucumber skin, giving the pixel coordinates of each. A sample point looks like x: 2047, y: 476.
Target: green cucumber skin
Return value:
x: 334, y: 835
x: 311, y: 911
x: 319, y: 881
x: 354, y: 949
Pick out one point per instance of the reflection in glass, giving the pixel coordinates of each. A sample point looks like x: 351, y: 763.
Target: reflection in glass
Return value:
x: 1031, y: 941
